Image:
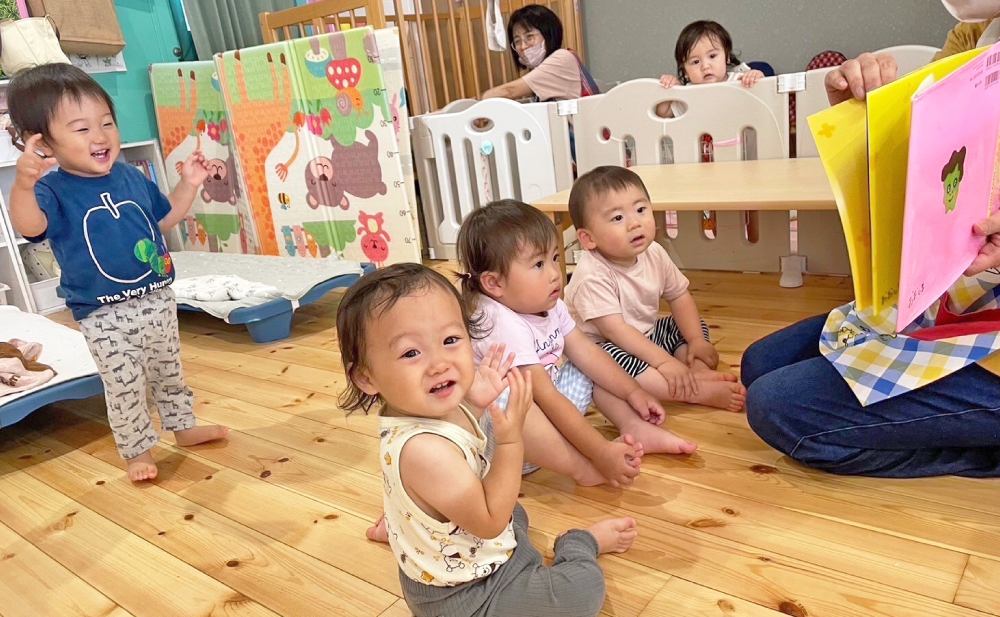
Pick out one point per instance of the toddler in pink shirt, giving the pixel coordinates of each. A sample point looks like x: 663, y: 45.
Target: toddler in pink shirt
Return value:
x: 512, y: 280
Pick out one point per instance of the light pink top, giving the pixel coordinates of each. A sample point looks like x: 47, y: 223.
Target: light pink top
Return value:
x: 532, y: 339
x: 557, y: 78
x: 599, y: 288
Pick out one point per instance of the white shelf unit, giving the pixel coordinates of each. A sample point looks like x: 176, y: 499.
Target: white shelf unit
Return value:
x: 41, y: 296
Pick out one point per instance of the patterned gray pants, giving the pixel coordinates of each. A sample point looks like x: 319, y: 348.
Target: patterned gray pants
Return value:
x: 137, y: 349
x: 573, y: 586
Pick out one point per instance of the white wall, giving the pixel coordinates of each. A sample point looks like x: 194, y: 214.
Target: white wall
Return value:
x: 627, y: 39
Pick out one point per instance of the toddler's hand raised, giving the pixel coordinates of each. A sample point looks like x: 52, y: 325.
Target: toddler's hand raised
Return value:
x: 507, y: 426
x: 490, y: 380
x: 750, y: 78
x: 669, y: 81
x: 31, y: 166
x: 194, y: 169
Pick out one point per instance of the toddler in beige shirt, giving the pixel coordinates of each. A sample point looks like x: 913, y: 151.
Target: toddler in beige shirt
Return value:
x: 615, y: 294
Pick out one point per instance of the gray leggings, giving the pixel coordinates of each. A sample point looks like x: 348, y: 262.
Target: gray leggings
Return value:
x: 524, y: 586
x: 137, y: 349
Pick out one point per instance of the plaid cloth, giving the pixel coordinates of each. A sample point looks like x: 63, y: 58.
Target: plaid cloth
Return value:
x: 569, y: 381
x: 878, y: 363
x: 588, y: 87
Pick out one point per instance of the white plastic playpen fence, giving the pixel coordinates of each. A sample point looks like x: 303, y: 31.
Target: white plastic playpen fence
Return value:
x: 468, y: 154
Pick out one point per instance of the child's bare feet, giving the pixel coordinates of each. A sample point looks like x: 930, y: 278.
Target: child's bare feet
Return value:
x: 707, y: 374
x: 727, y: 395
x: 378, y: 532
x: 614, y: 535
x: 588, y: 476
x: 658, y: 440
x: 200, y: 434
x: 639, y: 451
x: 141, y: 468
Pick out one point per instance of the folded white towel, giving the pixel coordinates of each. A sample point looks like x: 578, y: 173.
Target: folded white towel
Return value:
x: 220, y: 288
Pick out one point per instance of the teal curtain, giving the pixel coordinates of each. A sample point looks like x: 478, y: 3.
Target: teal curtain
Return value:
x: 224, y: 25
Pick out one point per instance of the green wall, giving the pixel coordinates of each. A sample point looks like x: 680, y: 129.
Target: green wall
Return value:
x: 150, y: 36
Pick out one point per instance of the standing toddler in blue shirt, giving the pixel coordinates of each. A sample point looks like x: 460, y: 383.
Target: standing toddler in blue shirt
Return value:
x: 104, y: 220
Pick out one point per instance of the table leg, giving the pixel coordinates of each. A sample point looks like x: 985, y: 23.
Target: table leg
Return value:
x: 561, y: 226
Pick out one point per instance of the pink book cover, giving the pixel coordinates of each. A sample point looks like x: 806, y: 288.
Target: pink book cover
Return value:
x: 951, y: 181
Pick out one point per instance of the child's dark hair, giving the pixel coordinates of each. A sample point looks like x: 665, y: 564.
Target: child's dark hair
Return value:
x: 492, y: 237
x: 540, y: 18
x: 368, y: 299
x: 597, y: 183
x: 34, y: 95
x: 689, y: 37
x: 957, y: 161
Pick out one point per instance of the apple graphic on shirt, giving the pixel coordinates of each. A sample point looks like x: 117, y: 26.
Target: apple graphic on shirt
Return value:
x: 106, y: 256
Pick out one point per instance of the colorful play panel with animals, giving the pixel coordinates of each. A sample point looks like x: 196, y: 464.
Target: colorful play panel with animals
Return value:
x: 301, y: 138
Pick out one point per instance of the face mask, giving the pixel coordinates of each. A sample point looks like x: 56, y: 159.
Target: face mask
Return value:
x: 533, y: 56
x: 972, y: 10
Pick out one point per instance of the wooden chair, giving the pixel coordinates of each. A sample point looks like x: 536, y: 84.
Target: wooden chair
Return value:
x: 320, y: 16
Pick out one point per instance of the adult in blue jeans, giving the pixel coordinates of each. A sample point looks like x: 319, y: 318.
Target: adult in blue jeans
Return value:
x: 799, y: 404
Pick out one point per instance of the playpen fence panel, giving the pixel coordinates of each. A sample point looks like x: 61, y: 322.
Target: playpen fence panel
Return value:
x: 722, y: 111
x: 511, y: 156
x: 735, y: 118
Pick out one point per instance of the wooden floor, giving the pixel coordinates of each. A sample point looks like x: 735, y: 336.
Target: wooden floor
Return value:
x: 272, y: 522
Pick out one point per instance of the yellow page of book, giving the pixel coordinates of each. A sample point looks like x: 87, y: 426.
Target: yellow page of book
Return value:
x: 888, y: 148
x: 841, y: 134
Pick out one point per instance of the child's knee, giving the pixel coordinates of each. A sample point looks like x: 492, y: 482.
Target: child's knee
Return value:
x: 592, y: 589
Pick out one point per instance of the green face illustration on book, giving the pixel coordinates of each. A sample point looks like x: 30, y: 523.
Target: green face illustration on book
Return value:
x: 929, y: 139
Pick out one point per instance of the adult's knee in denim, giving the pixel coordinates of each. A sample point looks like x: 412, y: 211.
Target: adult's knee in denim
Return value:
x: 767, y: 409
x: 750, y: 364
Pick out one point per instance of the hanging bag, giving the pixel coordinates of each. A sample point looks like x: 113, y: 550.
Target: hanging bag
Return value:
x: 87, y: 28
x: 29, y: 42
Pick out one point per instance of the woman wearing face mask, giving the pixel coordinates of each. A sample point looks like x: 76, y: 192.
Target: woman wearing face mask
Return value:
x: 798, y: 403
x: 554, y: 74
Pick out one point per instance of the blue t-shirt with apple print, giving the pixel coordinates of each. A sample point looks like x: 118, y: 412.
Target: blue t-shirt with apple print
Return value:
x: 104, y: 233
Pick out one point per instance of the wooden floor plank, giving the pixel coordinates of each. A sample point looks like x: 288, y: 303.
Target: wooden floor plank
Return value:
x: 131, y: 572
x: 399, y: 609
x: 679, y: 597
x: 283, y: 398
x: 980, y: 587
x: 281, y: 578
x: 766, y: 579
x: 740, y: 442
x: 906, y: 518
x: 858, y: 501
x: 32, y: 583
x: 736, y: 529
x: 905, y: 564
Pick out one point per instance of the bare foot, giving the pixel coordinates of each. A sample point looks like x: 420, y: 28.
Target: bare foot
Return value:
x: 200, y: 434
x: 707, y: 374
x: 141, y: 468
x: 658, y: 440
x: 614, y: 535
x: 639, y: 451
x: 378, y: 532
x: 727, y: 395
x: 588, y: 476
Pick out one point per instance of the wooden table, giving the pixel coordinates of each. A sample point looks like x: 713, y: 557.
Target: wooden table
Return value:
x: 777, y: 184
